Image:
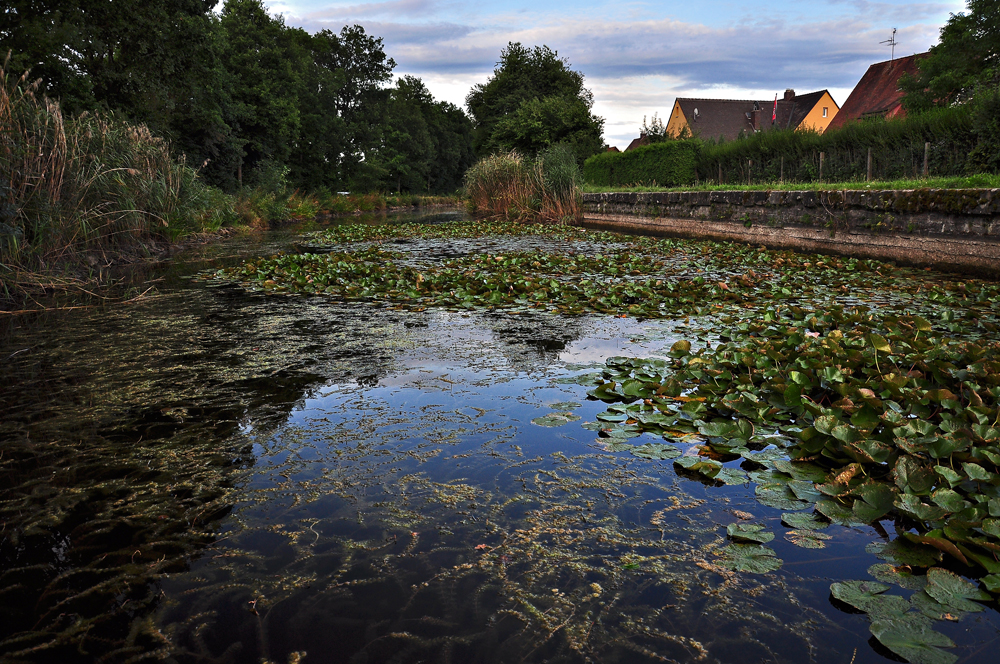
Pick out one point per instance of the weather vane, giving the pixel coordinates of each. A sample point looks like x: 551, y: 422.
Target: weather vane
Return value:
x: 891, y: 41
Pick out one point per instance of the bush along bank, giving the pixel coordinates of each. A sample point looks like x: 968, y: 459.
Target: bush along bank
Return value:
x: 668, y: 164
x: 940, y: 142
x: 510, y: 186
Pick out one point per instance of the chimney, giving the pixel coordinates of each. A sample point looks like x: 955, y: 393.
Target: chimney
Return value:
x: 789, y: 94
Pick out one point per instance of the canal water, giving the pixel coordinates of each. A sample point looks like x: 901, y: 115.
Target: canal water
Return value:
x: 215, y: 475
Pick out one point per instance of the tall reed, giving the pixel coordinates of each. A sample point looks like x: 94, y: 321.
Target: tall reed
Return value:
x: 507, y: 185
x: 94, y: 183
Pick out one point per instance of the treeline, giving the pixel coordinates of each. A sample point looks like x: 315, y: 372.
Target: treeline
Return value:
x: 247, y: 99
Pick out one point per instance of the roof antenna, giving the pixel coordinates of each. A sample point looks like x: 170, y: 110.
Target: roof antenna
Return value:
x: 891, y: 41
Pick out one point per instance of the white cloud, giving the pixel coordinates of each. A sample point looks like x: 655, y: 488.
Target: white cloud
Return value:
x: 637, y: 67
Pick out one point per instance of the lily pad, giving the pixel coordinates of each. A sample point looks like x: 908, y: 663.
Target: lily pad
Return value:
x: 804, y: 521
x: 868, y: 596
x: 808, y: 539
x: 555, y: 419
x: 899, y: 575
x: 749, y: 532
x: 953, y: 591
x: 656, y: 451
x: 564, y: 405
x: 912, y: 638
x: 903, y: 552
x: 752, y: 558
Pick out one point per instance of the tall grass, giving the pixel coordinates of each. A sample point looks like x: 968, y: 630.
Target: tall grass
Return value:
x: 89, y: 184
x: 509, y: 186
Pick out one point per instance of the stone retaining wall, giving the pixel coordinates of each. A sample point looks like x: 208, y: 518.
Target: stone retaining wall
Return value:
x: 949, y: 229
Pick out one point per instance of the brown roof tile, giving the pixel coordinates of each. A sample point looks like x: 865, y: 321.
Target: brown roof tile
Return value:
x: 729, y: 117
x: 877, y: 93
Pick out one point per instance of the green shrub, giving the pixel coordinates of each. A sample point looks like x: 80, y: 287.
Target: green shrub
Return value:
x: 667, y: 164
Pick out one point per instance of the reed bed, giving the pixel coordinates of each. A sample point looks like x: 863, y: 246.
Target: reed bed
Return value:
x: 510, y: 186
x: 92, y: 184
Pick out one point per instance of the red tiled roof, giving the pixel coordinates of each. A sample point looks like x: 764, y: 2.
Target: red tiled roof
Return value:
x: 877, y: 93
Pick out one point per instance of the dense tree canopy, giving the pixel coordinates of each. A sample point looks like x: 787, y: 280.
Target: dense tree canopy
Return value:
x: 244, y: 96
x: 532, y: 101
x: 965, y: 59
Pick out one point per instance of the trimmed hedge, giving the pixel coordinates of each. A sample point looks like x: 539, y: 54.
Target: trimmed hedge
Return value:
x: 963, y: 140
x: 897, y: 148
x: 668, y: 164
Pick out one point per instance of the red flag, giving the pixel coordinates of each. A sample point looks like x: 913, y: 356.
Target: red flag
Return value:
x: 774, y: 113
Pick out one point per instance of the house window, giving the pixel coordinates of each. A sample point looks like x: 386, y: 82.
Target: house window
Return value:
x: 825, y: 110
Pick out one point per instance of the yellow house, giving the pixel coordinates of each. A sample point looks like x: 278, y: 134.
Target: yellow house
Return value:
x: 728, y: 118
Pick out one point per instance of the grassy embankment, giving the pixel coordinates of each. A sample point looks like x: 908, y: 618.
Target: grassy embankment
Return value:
x: 982, y: 181
x: 79, y: 194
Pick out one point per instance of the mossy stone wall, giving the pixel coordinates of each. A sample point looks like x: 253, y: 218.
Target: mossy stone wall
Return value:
x: 950, y: 229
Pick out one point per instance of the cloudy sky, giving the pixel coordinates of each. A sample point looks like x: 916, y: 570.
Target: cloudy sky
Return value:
x: 638, y: 56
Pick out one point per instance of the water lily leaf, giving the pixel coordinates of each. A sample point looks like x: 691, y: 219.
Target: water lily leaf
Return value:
x: 994, y: 506
x: 949, y: 475
x: 618, y: 445
x: 992, y: 582
x: 868, y: 596
x: 918, y: 509
x: 976, y: 472
x: 778, y: 496
x: 706, y: 467
x: 932, y: 608
x: 949, y: 500
x: 903, y: 552
x: 656, y: 451
x: 807, y: 539
x: 879, y: 343
x: 582, y: 379
x: 801, y: 470
x: 555, y: 419
x: 934, y: 539
x: 912, y: 638
x: 803, y: 521
x: 718, y: 428
x: 608, y: 416
x: 900, y: 575
x: 953, y: 591
x: 680, y: 348
x: 564, y: 405
x: 731, y: 476
x: 752, y: 558
x: 749, y: 532
x: 837, y: 512
x: 876, y: 501
x: 593, y: 426
x: 912, y: 476
x: 991, y: 527
x: 804, y: 490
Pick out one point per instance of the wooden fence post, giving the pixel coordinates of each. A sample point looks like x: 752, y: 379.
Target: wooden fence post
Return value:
x: 749, y: 167
x: 927, y: 154
x: 781, y: 177
x: 720, y: 172
x: 869, y: 165
x: 821, y: 156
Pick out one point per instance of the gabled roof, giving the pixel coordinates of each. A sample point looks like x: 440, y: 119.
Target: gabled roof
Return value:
x: 636, y: 142
x: 878, y: 93
x: 729, y: 117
